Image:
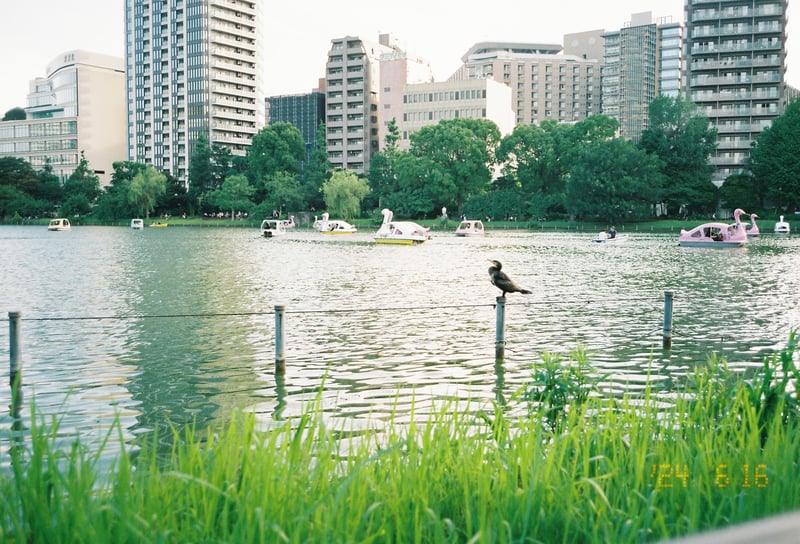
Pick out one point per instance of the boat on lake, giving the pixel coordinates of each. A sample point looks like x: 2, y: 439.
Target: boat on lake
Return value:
x: 334, y: 226
x: 159, y: 224
x: 289, y: 223
x: 782, y: 227
x: 59, y: 224
x: 470, y: 227
x: 603, y: 237
x: 272, y: 228
x: 400, y: 232
x: 137, y: 224
x: 716, y: 234
x: 752, y: 229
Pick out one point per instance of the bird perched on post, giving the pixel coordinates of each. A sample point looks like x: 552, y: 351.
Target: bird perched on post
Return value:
x: 501, y: 280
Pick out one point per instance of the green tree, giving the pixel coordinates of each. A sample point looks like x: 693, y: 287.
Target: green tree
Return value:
x: 81, y: 190
x: 144, y: 190
x: 613, y: 180
x: 15, y: 114
x: 316, y: 172
x: 23, y: 191
x: 343, y: 193
x: 739, y: 191
x: 173, y: 201
x: 281, y: 192
x: 18, y: 173
x: 454, y: 159
x: 234, y: 195
x: 684, y: 140
x: 537, y: 158
x: 113, y: 203
x: 49, y: 187
x: 382, y: 173
x: 532, y: 168
x: 201, y: 175
x: 276, y: 148
x: 775, y: 161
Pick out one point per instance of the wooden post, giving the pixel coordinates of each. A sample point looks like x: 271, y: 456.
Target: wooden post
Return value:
x: 500, y: 332
x: 280, y: 358
x: 15, y: 379
x: 667, y: 340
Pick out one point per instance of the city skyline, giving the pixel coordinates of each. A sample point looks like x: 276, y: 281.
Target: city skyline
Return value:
x: 303, y: 41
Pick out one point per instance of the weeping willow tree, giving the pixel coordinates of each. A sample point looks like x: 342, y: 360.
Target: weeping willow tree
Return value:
x: 144, y: 190
x: 343, y: 194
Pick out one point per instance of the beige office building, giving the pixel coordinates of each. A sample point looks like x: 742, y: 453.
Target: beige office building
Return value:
x: 429, y: 103
x: 78, y: 107
x: 545, y: 83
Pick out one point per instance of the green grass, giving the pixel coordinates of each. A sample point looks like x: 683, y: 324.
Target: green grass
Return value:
x: 612, y: 470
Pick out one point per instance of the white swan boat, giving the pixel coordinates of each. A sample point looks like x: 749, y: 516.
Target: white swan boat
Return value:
x: 137, y: 224
x: 400, y: 232
x: 470, y: 227
x: 782, y: 227
x: 272, y: 228
x: 334, y: 226
x: 59, y: 224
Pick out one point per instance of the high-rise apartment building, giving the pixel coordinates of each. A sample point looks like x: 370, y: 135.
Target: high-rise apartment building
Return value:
x: 545, y: 83
x: 79, y: 107
x: 735, y: 65
x: 352, y: 76
x: 640, y: 62
x: 191, y: 70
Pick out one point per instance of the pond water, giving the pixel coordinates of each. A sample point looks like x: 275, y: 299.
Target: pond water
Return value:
x: 178, y: 324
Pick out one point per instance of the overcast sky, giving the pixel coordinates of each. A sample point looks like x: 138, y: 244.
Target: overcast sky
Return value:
x: 298, y: 35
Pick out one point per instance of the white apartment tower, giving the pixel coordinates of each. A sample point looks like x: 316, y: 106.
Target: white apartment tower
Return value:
x: 191, y: 70
x: 352, y: 79
x: 735, y: 65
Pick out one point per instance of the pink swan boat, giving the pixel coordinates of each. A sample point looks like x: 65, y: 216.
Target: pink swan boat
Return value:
x: 716, y: 234
x: 753, y: 230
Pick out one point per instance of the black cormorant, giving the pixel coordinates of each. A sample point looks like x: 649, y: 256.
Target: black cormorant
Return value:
x: 501, y: 280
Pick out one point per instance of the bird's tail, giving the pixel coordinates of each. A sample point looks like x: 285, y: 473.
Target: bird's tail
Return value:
x: 526, y: 292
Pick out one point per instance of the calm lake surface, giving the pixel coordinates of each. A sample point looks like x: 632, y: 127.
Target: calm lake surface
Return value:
x: 178, y: 324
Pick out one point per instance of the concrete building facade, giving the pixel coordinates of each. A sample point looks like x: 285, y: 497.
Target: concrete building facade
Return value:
x: 397, y: 69
x: 352, y: 75
x: 545, y: 83
x: 429, y: 103
x: 735, y: 67
x: 192, y: 70
x: 79, y: 107
x: 640, y: 62
x: 304, y: 111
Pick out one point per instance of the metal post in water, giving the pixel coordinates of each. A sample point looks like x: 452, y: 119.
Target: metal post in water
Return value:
x: 15, y: 379
x: 500, y: 333
x: 667, y: 339
x: 280, y: 358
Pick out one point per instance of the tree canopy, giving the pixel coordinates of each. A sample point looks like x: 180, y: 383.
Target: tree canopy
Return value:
x: 775, y: 161
x: 684, y: 140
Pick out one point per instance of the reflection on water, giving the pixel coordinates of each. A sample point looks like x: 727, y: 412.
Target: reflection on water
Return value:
x: 177, y: 323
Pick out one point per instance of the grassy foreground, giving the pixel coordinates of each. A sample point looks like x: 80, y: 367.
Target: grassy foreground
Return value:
x: 575, y: 467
